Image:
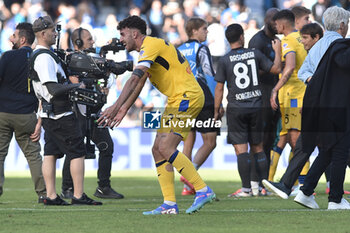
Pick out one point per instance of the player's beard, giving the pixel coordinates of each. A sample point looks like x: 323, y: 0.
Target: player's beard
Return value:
x: 15, y: 46
x: 272, y: 29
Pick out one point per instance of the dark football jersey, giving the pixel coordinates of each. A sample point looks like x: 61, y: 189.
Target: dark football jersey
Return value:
x: 240, y: 69
x: 262, y: 42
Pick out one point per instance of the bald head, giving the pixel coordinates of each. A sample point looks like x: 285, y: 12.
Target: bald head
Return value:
x: 270, y: 25
x: 82, y: 39
x: 270, y: 13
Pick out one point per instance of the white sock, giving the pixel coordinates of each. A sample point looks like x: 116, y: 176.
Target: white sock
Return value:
x: 246, y: 190
x: 254, y: 184
x: 171, y: 203
x: 328, y: 184
x: 203, y: 190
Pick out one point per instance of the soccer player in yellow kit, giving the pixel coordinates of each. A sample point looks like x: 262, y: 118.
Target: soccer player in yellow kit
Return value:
x: 171, y: 74
x: 290, y: 89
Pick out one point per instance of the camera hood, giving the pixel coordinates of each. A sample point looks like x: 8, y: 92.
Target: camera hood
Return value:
x: 80, y: 62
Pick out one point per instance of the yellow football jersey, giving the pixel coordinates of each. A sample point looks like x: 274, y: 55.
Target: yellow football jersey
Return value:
x: 170, y: 71
x: 292, y: 44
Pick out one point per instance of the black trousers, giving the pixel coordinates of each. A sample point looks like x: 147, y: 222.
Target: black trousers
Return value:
x: 270, y: 119
x: 104, y: 143
x: 296, y: 164
x: 336, y: 157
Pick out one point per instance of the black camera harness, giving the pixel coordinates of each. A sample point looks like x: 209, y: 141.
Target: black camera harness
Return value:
x: 62, y: 103
x: 58, y: 104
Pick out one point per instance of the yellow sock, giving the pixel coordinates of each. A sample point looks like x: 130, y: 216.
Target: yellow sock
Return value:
x: 166, y: 180
x: 275, y: 155
x: 305, y: 169
x: 185, y: 167
x: 303, y: 173
x: 296, y: 183
x: 290, y: 156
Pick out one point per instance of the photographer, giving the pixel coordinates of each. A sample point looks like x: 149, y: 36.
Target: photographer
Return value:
x: 82, y: 40
x: 62, y: 134
x: 18, y: 105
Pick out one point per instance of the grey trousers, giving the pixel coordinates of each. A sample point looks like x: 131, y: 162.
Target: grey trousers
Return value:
x: 22, y: 126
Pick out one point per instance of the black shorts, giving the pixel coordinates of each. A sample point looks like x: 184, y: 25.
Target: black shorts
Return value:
x: 244, y: 127
x: 63, y: 137
x: 207, y: 112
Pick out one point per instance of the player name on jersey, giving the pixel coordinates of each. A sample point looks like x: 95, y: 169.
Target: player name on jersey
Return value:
x: 243, y: 56
x: 187, y: 52
x: 248, y: 95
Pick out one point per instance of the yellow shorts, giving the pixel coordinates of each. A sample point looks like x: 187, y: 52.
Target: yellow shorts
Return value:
x: 290, y: 110
x: 179, y: 115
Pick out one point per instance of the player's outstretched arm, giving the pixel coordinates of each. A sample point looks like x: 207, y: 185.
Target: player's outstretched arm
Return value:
x: 126, y: 106
x: 129, y: 91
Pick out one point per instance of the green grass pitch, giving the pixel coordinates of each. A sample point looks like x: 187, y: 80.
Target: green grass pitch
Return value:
x: 20, y: 212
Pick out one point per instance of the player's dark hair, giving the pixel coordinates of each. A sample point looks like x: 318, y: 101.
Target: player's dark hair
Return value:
x: 26, y: 30
x: 300, y: 11
x: 133, y: 22
x: 312, y: 29
x: 233, y: 32
x: 286, y: 15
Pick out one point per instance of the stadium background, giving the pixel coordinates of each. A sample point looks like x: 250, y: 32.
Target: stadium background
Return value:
x: 166, y: 19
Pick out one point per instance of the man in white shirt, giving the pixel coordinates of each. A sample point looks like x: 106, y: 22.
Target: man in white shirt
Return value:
x: 62, y: 132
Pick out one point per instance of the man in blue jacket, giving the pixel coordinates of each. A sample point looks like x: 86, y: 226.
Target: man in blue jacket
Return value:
x: 18, y: 104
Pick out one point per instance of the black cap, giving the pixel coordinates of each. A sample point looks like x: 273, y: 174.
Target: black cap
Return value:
x: 42, y: 23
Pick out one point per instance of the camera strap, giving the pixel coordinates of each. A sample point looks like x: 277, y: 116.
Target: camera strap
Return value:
x: 33, y: 75
x: 57, y: 105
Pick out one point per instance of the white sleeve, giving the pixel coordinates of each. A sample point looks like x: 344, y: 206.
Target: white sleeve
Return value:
x: 206, y: 61
x: 46, y: 68
x: 145, y: 63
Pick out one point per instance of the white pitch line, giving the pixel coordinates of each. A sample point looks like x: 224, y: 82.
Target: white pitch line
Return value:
x: 246, y: 210
x: 69, y: 209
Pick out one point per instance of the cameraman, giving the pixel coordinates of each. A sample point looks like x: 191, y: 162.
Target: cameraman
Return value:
x: 82, y: 40
x: 62, y: 134
x: 18, y: 105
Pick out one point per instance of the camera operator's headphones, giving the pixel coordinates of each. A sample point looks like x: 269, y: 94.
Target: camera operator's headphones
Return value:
x: 79, y: 42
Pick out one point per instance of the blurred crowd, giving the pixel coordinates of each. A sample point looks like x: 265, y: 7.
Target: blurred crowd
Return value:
x: 165, y: 18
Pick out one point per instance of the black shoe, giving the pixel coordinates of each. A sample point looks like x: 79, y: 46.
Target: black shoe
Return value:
x: 0, y: 191
x: 41, y: 198
x: 67, y: 194
x: 107, y: 192
x: 56, y: 201
x: 84, y: 200
x: 279, y: 188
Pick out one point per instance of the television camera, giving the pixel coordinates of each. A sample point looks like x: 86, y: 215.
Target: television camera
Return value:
x: 94, y: 70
